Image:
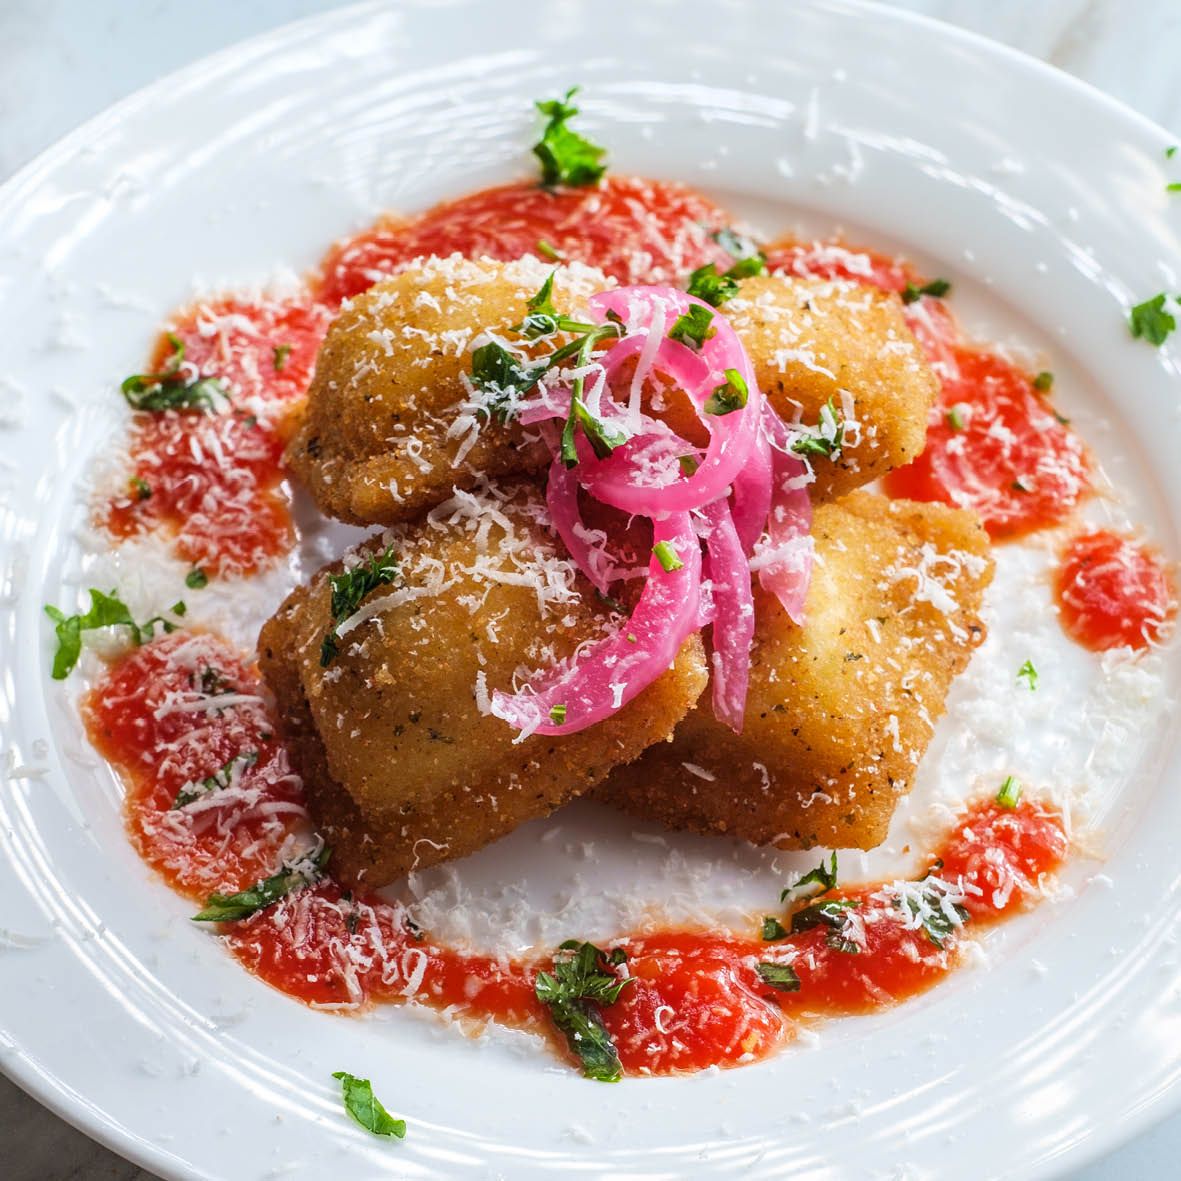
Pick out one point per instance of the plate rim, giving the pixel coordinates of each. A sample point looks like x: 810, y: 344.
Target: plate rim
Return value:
x: 54, y: 1093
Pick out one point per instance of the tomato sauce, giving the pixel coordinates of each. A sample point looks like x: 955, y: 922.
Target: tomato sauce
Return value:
x: 213, y: 805
x: 636, y: 230
x: 1113, y: 592
x: 994, y: 442
x: 212, y: 480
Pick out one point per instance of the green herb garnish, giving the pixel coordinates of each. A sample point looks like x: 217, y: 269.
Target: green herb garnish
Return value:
x: 218, y: 781
x: 1044, y: 381
x: 1150, y: 321
x: 140, y: 488
x: 928, y: 909
x: 824, y: 877
x: 937, y: 288
x: 557, y: 714
x: 773, y: 929
x: 955, y: 419
x: 1173, y: 187
x: 1028, y: 674
x: 196, y: 579
x: 230, y: 908
x: 779, y: 976
x: 547, y: 250
x: 106, y: 610
x: 365, y: 1107
x: 828, y: 436
x: 731, y: 395
x: 1009, y: 795
x: 693, y: 328
x: 279, y: 355
x: 567, y: 158
x: 580, y: 983
x: 830, y: 913
x: 349, y: 588
x: 170, y: 389
x: 666, y: 555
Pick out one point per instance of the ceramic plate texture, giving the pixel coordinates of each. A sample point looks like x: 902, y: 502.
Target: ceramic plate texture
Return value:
x: 1042, y: 200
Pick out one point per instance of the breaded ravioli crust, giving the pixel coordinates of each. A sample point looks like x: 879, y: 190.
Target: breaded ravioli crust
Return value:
x: 841, y: 709
x: 812, y: 340
x: 391, y: 426
x: 403, y: 763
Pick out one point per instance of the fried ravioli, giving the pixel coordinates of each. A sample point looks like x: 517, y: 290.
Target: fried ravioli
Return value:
x: 403, y: 763
x: 391, y: 427
x: 815, y: 340
x: 841, y: 709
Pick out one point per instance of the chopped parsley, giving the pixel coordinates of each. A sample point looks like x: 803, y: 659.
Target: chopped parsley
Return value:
x: 824, y: 877
x: 731, y: 395
x: 715, y: 288
x: 218, y: 781
x: 547, y: 250
x: 583, y: 980
x: 498, y: 373
x: 557, y: 714
x: 937, y: 288
x: 1019, y: 485
x: 1149, y: 320
x: 828, y: 437
x: 929, y: 909
x: 1028, y: 674
x: 196, y: 579
x: 279, y: 355
x: 231, y: 908
x: 773, y: 929
x: 779, y: 976
x: 349, y: 588
x: 688, y: 464
x: 567, y: 158
x: 666, y: 555
x: 740, y: 247
x: 1173, y: 187
x: 1009, y: 795
x: 693, y: 328
x: 365, y: 1107
x: 139, y: 487
x: 830, y: 913
x: 106, y: 610
x: 1044, y: 381
x: 170, y: 388
x: 1170, y: 152
x: 955, y: 419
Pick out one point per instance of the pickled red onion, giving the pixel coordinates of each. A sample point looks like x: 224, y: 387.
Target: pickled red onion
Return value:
x: 733, y: 627
x: 561, y: 497
x: 620, y: 666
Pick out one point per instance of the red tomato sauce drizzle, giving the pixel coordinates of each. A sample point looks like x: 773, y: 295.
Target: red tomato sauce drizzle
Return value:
x: 186, y: 706
x: 994, y: 441
x: 1113, y: 592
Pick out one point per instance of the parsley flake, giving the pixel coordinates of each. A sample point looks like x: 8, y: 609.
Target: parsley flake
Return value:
x: 349, y: 588
x: 231, y: 908
x: 557, y: 714
x: 828, y: 436
x: 937, y: 288
x: 693, y: 328
x: 196, y: 579
x: 1044, y: 381
x: 1028, y: 674
x: 170, y: 388
x: 583, y: 980
x: 547, y: 250
x: 666, y: 555
x: 365, y: 1107
x: 824, y: 877
x: 139, y: 488
x: 1149, y: 320
x: 781, y: 977
x: 567, y: 158
x: 955, y: 419
x: 773, y: 929
x: 218, y: 781
x: 731, y: 395
x: 106, y: 610
x: 1009, y: 795
x: 830, y: 913
x: 279, y: 355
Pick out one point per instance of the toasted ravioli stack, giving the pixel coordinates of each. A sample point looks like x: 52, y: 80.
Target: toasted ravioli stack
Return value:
x: 389, y: 665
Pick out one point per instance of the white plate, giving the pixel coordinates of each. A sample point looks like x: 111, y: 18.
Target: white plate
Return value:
x: 1046, y: 203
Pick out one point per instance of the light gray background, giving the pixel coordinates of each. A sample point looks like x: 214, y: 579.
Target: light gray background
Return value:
x: 62, y: 61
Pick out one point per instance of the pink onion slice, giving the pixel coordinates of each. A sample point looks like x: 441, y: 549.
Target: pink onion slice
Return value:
x: 561, y: 496
x: 604, y: 679
x: 750, y: 500
x: 734, y: 615
x: 783, y: 556
x: 645, y: 488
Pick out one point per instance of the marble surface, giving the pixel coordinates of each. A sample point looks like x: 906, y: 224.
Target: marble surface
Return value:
x: 62, y: 61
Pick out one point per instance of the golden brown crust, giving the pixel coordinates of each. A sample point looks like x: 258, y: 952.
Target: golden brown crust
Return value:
x: 810, y: 340
x: 840, y: 710
x: 385, y: 433
x: 402, y: 765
